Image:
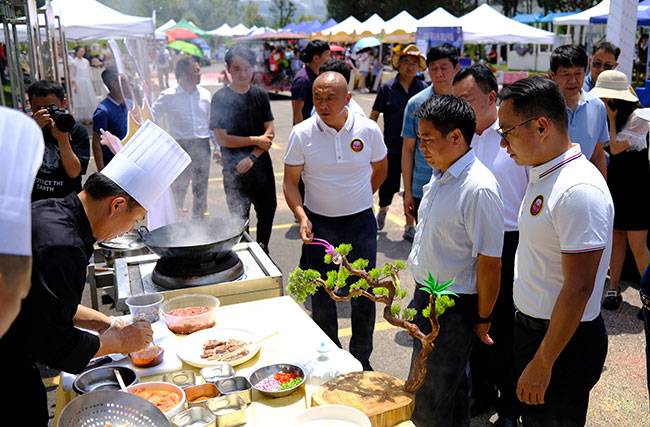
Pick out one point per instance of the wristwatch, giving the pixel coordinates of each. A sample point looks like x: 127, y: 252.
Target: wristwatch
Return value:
x: 252, y: 157
x: 480, y: 319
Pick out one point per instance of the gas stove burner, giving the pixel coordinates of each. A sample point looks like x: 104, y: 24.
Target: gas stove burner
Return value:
x: 171, y: 274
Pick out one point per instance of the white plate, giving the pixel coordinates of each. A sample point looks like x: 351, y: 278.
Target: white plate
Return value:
x: 190, y: 349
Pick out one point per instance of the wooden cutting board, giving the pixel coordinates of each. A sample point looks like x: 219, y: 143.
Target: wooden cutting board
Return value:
x: 380, y: 396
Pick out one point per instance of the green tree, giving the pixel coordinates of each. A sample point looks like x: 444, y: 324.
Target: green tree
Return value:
x: 565, y: 5
x: 308, y: 18
x: 252, y: 15
x: 283, y: 11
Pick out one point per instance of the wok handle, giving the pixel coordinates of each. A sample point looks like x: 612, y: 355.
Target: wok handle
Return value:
x: 143, y: 231
x: 244, y: 227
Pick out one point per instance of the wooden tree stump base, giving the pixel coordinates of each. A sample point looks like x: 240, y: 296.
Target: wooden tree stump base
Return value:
x: 380, y: 396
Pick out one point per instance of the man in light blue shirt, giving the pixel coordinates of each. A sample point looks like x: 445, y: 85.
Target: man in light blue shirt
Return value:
x: 442, y: 62
x: 459, y: 235
x: 587, y: 114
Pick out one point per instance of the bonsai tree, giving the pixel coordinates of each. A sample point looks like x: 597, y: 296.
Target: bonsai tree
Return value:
x: 381, y: 285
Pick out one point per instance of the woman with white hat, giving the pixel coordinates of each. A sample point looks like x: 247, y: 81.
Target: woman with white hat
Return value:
x: 628, y: 176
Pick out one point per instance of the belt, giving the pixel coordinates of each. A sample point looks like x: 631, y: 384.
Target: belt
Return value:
x: 531, y: 323
x: 339, y: 220
x: 193, y: 139
x: 645, y: 300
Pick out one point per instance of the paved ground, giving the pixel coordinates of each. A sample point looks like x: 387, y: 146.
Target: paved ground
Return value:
x: 619, y: 399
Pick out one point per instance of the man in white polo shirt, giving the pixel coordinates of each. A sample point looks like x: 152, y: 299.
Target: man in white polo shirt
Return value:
x: 459, y: 235
x: 565, y: 226
x: 342, y: 160
x: 493, y: 365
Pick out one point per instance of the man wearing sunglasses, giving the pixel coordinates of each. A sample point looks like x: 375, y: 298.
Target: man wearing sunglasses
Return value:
x: 587, y: 114
x: 604, y: 58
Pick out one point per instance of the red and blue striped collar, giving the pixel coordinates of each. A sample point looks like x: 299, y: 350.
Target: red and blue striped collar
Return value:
x: 557, y: 163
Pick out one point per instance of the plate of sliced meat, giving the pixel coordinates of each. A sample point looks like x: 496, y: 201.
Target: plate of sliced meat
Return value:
x: 215, y: 345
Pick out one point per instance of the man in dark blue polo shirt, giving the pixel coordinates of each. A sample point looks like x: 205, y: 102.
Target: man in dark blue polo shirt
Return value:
x: 315, y: 54
x: 111, y: 115
x: 391, y: 100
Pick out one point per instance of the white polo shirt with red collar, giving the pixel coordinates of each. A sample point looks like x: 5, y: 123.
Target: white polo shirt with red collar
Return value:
x: 567, y: 209
x: 336, y: 165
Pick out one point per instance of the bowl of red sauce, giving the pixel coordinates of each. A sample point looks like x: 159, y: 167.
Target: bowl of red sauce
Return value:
x: 147, y: 357
x: 167, y: 397
x: 190, y: 313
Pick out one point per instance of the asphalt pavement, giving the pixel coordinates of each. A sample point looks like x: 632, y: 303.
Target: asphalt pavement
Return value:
x: 619, y: 399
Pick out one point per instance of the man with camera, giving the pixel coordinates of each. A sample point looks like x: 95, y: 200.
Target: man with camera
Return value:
x: 67, y: 147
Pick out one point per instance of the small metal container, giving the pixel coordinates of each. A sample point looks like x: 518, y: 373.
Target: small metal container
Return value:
x: 230, y: 411
x: 183, y: 379
x: 267, y: 371
x: 195, y: 417
x: 208, y: 391
x: 103, y: 378
x: 238, y: 386
x: 124, y: 246
x: 218, y: 372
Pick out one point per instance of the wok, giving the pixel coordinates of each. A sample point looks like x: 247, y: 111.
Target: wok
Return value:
x: 194, y: 241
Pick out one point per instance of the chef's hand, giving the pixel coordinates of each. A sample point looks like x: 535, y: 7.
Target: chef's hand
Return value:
x: 481, y: 329
x: 305, y: 231
x: 244, y: 165
x: 42, y: 118
x: 264, y: 142
x: 533, y: 382
x: 132, y: 337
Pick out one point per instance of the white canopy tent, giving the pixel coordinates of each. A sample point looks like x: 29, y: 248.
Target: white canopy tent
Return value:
x: 240, y: 30
x: 439, y: 18
x: 501, y: 29
x: 166, y: 26
x: 373, y: 25
x: 348, y: 26
x: 223, y: 31
x: 403, y: 21
x: 582, y: 18
x: 89, y: 19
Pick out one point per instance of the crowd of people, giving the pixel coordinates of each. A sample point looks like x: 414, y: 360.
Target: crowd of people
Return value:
x: 525, y: 196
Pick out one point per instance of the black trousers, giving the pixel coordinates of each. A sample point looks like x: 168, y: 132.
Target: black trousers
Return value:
x: 574, y: 374
x: 362, y: 235
x: 443, y: 399
x: 493, y: 365
x: 391, y: 184
x: 198, y: 172
x: 257, y: 187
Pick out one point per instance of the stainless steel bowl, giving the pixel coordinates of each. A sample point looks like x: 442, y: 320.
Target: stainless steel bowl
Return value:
x: 183, y: 379
x: 208, y: 392
x: 267, y: 371
x: 195, y: 417
x: 217, y: 372
x: 124, y: 246
x: 230, y: 410
x: 111, y: 407
x: 238, y: 386
x: 103, y: 378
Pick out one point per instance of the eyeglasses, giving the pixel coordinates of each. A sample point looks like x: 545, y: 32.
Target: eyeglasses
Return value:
x: 599, y: 65
x: 504, y: 134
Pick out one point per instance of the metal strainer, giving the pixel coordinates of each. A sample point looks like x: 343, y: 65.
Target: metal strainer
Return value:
x: 112, y: 408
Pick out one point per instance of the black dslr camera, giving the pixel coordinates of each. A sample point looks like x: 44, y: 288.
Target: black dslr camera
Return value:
x: 63, y: 120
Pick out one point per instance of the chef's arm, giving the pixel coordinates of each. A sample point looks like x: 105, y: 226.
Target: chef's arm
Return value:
x: 599, y: 159
x: 233, y: 141
x: 93, y: 320
x: 379, y: 173
x: 97, y: 151
x: 130, y: 338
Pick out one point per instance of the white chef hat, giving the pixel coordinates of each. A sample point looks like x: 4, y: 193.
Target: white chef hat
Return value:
x: 147, y: 165
x: 21, y: 154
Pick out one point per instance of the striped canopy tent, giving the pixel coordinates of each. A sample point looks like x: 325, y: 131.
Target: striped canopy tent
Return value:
x: 344, y: 31
x: 372, y: 26
x: 400, y: 28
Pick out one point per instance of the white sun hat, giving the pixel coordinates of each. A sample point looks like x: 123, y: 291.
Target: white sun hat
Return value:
x: 21, y: 145
x: 613, y: 84
x: 147, y: 165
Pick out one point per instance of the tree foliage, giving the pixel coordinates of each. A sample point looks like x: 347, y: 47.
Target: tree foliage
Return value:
x: 252, y: 15
x: 283, y: 11
x: 362, y: 9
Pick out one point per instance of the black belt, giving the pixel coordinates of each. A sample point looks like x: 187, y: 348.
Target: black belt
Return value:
x: 645, y: 300
x: 340, y: 220
x: 531, y: 323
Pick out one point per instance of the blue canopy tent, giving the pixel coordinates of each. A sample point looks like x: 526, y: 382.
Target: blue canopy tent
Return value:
x: 548, y: 19
x: 643, y: 20
x: 328, y: 24
x: 528, y: 18
x: 289, y: 27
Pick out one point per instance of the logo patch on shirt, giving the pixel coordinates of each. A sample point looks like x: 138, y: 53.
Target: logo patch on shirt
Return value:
x: 356, y: 145
x: 537, y: 205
